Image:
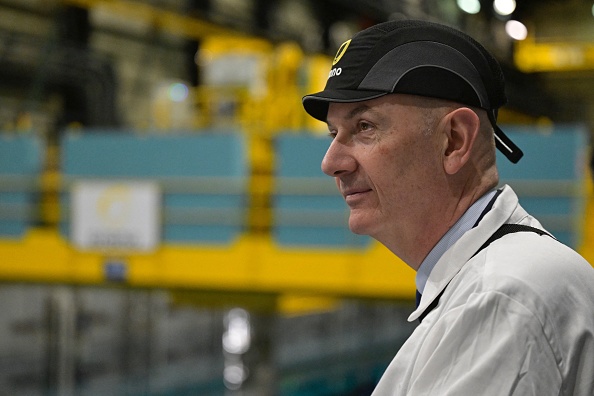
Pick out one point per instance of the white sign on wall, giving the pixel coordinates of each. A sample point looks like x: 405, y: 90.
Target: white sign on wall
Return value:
x: 122, y: 215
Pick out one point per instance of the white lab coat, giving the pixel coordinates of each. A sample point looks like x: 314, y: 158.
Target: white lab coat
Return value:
x: 516, y: 319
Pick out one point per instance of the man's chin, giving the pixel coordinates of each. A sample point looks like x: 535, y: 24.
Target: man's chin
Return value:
x: 359, y: 226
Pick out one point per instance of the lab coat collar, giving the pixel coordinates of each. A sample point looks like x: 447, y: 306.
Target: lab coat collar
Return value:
x: 505, y: 210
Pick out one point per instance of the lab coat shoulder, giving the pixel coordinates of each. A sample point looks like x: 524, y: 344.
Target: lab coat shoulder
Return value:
x: 539, y: 263
x: 537, y: 271
x: 556, y: 285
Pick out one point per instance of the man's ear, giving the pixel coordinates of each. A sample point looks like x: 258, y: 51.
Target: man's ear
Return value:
x: 461, y: 129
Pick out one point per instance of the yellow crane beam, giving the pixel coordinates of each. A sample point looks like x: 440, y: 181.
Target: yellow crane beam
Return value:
x: 532, y: 56
x: 251, y: 264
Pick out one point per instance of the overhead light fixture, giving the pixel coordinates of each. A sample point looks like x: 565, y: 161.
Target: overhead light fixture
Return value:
x: 178, y: 92
x: 469, y: 6
x: 516, y: 30
x: 504, y: 7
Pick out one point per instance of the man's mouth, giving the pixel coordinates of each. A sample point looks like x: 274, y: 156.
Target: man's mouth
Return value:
x: 354, y: 195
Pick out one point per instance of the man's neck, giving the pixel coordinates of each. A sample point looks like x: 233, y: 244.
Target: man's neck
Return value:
x: 439, y: 221
x: 464, y: 223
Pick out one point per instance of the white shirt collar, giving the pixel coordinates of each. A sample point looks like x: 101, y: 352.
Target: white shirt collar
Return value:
x: 464, y: 223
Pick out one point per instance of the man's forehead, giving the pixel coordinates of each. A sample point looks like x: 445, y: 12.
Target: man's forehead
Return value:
x: 375, y: 106
x: 349, y: 109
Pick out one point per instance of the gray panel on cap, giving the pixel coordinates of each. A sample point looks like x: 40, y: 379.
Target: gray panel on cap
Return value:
x: 387, y: 72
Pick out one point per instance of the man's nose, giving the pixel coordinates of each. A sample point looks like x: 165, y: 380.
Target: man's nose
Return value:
x: 338, y: 160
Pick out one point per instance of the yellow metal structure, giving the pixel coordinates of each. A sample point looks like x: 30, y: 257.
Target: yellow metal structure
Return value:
x: 251, y: 264
x: 532, y: 56
x: 587, y: 245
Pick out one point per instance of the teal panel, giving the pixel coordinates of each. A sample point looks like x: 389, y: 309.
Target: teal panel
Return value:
x: 548, y: 178
x: 21, y: 164
x: 139, y: 155
x: 203, y: 176
x: 301, y: 154
x: 549, y: 154
x: 21, y: 155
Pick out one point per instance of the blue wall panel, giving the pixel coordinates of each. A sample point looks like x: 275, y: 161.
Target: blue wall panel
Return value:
x: 549, y: 178
x: 21, y: 164
x: 203, y: 176
x: 184, y: 155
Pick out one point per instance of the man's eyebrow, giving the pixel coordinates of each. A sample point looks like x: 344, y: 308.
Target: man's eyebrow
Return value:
x: 355, y: 112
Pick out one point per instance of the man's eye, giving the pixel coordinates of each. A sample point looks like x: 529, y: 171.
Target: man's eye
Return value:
x: 364, y: 126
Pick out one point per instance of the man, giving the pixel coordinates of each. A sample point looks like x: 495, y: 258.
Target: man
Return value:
x: 506, y: 309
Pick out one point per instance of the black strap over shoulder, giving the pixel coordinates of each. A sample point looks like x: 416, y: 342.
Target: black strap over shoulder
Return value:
x: 508, y: 229
x: 501, y: 231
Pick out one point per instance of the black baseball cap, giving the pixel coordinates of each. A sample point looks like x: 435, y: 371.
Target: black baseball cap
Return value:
x: 418, y: 58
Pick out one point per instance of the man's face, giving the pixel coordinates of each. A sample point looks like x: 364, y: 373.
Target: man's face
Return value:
x: 387, y: 162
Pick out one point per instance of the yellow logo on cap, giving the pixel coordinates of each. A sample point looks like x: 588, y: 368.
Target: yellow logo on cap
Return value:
x: 341, y: 50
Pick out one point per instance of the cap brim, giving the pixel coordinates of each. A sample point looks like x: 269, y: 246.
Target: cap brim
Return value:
x: 316, y: 105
